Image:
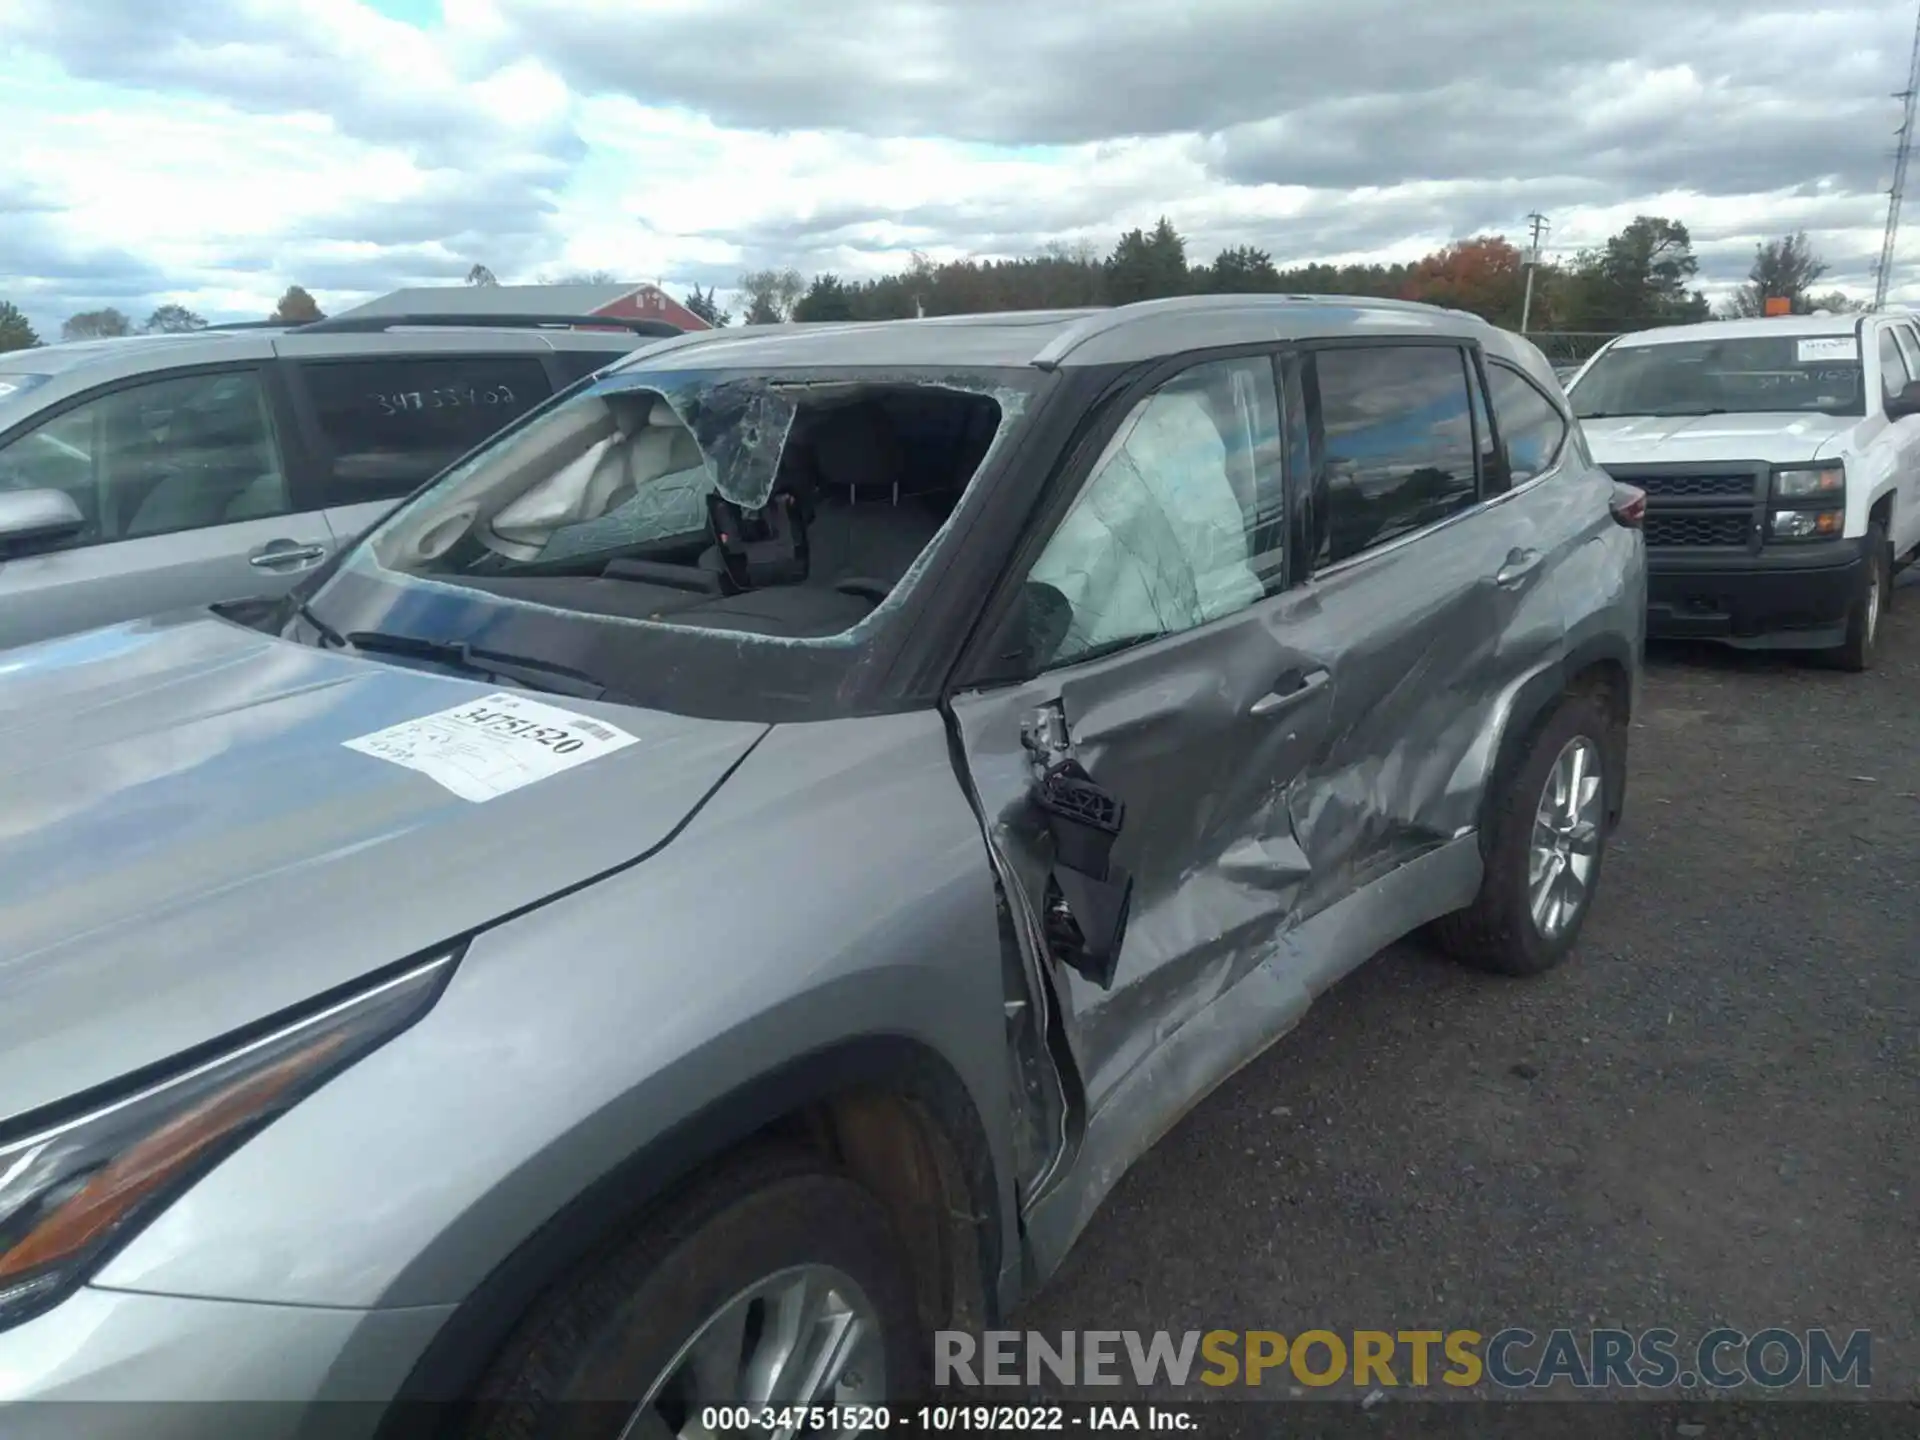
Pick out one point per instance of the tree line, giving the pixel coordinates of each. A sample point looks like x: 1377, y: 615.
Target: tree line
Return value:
x: 1641, y: 277
x: 296, y: 307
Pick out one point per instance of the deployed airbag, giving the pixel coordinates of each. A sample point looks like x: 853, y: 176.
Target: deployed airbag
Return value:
x: 1157, y: 542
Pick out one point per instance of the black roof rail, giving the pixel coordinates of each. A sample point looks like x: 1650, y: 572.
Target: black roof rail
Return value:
x: 373, y: 324
x: 245, y: 325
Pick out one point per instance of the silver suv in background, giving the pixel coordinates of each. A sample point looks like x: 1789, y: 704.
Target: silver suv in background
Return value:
x: 723, y: 882
x: 142, y: 474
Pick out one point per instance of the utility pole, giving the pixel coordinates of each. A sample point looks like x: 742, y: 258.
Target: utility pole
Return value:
x: 1899, y: 186
x: 1538, y: 222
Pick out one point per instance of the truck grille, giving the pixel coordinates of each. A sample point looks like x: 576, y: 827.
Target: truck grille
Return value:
x: 1697, y: 529
x: 1663, y: 485
x: 1700, y: 504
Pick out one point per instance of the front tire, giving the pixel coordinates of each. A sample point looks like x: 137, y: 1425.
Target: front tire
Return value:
x: 774, y: 1282
x: 1548, y: 840
x: 1863, y: 620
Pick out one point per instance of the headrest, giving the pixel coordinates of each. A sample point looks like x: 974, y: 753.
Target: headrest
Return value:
x: 855, y: 447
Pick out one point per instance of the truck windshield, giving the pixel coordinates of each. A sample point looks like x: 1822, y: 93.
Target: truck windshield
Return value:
x: 1741, y: 375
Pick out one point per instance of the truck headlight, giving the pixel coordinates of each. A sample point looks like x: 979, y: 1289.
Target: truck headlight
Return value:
x: 72, y: 1190
x: 1810, y: 482
x: 1807, y: 524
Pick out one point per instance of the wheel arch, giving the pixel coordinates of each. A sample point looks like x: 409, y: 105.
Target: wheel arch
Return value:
x: 888, y: 1110
x: 1600, y: 663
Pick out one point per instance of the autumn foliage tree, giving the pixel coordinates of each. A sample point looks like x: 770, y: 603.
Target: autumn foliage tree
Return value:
x: 1485, y: 275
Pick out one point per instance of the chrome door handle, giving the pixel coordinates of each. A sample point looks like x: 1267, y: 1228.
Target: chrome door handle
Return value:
x: 1520, y: 564
x: 1293, y: 688
x: 292, y: 555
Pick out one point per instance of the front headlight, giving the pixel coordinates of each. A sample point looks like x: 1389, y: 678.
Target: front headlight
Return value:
x: 1807, y: 525
x: 1810, y: 482
x: 71, y: 1191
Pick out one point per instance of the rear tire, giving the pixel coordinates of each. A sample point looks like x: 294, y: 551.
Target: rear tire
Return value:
x: 774, y: 1281
x: 1543, y: 835
x: 1863, y: 620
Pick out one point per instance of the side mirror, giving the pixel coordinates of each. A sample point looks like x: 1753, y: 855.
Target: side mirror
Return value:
x: 1906, y: 403
x: 30, y: 519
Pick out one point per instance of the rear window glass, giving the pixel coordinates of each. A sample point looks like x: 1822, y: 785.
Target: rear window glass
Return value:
x: 393, y: 423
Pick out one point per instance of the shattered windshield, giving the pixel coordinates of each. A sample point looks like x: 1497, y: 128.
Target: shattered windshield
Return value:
x: 1740, y: 375
x: 791, y: 505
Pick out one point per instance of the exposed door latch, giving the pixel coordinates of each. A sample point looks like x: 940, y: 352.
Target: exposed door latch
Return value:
x: 1087, y: 896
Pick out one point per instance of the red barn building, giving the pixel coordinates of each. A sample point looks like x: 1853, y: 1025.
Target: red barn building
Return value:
x: 620, y: 301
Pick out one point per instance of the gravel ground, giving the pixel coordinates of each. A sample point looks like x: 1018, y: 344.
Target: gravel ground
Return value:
x: 1705, y: 1117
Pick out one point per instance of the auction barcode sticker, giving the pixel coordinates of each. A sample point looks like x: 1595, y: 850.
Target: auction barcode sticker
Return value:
x: 490, y: 746
x: 1813, y: 349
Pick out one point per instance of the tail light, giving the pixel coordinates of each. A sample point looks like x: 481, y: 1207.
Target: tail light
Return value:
x: 1629, y: 505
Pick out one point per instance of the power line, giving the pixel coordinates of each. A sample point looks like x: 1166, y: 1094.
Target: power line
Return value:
x: 1898, y: 189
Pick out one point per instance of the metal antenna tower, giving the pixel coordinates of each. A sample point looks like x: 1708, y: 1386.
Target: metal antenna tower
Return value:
x: 1898, y: 190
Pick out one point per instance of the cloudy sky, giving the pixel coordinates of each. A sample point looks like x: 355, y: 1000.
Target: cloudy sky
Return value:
x: 215, y: 151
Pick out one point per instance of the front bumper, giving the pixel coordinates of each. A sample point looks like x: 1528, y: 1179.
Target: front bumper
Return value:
x: 1784, y: 597
x: 109, y: 1364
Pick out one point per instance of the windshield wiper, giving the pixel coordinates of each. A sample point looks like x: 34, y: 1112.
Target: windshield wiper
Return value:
x: 326, y: 632
x: 490, y: 664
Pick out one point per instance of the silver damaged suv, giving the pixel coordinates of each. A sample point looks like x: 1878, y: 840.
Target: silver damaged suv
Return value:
x: 721, y: 883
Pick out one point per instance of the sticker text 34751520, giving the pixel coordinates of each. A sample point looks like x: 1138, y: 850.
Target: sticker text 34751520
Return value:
x: 490, y: 746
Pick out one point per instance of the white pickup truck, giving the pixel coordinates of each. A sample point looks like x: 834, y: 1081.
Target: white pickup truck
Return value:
x: 1781, y: 462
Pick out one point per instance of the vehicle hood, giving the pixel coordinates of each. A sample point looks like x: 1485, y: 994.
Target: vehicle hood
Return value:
x: 1665, y: 439
x: 187, y: 846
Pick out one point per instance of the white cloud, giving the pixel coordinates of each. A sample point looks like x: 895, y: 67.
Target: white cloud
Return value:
x: 216, y: 153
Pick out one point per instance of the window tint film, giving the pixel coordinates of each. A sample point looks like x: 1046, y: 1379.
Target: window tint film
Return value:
x: 1531, y: 427
x: 390, y: 425
x: 177, y: 454
x: 1398, y: 438
x: 1181, y: 520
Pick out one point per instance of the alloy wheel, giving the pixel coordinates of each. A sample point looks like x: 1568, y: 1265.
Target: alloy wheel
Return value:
x: 803, y: 1337
x: 1566, y: 838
